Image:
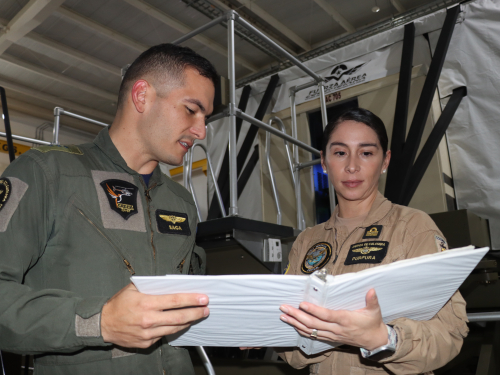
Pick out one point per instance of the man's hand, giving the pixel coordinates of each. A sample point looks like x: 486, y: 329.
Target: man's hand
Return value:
x: 135, y: 320
x: 363, y: 328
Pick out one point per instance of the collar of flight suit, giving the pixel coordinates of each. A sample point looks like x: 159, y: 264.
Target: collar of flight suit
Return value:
x: 105, y: 144
x: 380, y: 208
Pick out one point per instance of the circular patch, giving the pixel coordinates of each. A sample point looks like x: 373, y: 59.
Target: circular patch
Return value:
x: 5, y: 188
x: 316, y: 257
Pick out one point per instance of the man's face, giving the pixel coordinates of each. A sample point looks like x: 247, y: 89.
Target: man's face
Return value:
x: 175, y: 120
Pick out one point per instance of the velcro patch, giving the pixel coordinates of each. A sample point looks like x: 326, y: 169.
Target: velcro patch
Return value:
x: 172, y: 222
x: 5, y: 188
x: 71, y: 149
x: 316, y: 257
x: 367, y: 252
x: 372, y: 232
x: 441, y: 243
x: 122, y: 197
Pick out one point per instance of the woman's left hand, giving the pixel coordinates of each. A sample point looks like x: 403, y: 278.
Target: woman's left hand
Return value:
x: 363, y: 328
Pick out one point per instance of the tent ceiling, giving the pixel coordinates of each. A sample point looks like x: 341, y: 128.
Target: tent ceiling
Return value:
x: 69, y: 53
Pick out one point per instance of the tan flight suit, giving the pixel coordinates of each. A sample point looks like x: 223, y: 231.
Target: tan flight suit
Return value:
x: 422, y: 346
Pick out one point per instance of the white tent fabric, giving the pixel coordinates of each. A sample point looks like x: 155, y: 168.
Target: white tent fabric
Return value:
x: 473, y: 60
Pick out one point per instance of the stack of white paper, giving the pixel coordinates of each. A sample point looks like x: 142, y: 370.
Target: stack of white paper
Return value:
x: 244, y: 309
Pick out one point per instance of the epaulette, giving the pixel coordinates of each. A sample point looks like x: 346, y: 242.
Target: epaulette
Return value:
x: 71, y: 149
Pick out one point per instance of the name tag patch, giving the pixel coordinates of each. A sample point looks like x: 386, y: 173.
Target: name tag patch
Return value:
x: 367, y: 252
x: 316, y: 257
x: 440, y: 243
x: 172, y: 222
x: 122, y: 197
x: 5, y: 188
x: 373, y: 232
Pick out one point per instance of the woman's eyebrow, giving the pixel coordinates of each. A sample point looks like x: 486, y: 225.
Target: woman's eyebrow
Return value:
x: 337, y: 144
x: 368, y: 145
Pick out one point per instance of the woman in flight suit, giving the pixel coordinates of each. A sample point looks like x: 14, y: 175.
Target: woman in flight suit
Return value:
x: 354, y: 153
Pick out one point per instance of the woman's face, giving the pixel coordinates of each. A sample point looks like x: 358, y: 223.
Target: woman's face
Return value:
x: 354, y: 161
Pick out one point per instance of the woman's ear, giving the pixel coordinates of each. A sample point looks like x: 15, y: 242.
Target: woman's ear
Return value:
x: 387, y: 160
x: 323, y: 162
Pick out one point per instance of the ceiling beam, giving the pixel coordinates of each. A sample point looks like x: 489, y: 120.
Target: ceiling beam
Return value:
x: 29, y: 17
x: 254, y: 8
x: 56, y: 101
x: 397, y: 4
x: 337, y: 17
x: 54, y: 46
x: 59, y: 77
x: 183, y: 28
x: 104, y: 30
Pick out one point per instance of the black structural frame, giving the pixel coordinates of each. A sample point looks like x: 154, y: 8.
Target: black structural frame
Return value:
x: 403, y: 176
x: 6, y: 121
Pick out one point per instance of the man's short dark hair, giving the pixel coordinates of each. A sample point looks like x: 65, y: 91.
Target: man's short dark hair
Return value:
x: 165, y: 63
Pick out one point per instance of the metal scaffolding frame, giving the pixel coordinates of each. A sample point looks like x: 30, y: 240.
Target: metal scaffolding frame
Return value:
x: 231, y: 18
x: 58, y: 111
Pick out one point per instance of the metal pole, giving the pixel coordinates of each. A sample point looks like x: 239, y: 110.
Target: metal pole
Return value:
x: 292, y: 58
x: 271, y: 176
x: 324, y: 117
x: 484, y: 317
x: 57, y: 115
x: 212, y: 173
x: 6, y: 121
x: 233, y: 172
x: 71, y: 114
x: 1, y: 360
x: 200, y: 29
x: 185, y: 169
x: 308, y: 164
x: 287, y: 149
x: 205, y: 360
x: 188, y: 176
x: 276, y: 132
x: 296, y: 172
x: 26, y: 139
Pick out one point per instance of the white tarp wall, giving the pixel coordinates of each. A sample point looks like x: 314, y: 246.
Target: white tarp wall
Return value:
x: 473, y: 60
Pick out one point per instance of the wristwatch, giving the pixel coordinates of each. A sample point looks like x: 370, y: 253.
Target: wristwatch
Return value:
x: 384, y: 351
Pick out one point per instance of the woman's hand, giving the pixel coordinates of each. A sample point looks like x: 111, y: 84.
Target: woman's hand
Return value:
x: 363, y: 328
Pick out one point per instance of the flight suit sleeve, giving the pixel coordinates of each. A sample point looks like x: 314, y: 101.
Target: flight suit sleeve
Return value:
x: 294, y: 356
x: 427, y: 345
x: 33, y: 319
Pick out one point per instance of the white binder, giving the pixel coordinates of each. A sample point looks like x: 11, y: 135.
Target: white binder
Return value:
x: 244, y: 309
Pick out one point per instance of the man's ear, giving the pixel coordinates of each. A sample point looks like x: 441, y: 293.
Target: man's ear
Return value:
x: 139, y: 91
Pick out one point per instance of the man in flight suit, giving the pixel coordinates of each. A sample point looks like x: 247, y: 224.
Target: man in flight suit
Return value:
x: 76, y: 222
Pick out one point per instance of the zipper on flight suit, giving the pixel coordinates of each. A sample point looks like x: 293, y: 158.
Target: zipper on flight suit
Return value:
x: 125, y: 261
x: 148, y: 199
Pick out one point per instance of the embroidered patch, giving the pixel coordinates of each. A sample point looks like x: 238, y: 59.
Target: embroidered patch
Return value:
x: 172, y: 222
x: 71, y: 149
x: 122, y: 197
x: 5, y: 188
x: 317, y: 257
x: 441, y: 243
x: 373, y: 232
x: 287, y: 268
x: 367, y: 252
x: 9, y: 201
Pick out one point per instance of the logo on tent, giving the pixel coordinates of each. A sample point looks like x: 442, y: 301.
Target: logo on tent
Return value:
x: 341, y: 70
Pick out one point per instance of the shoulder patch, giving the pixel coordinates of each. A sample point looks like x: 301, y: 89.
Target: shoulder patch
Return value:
x: 441, y: 243
x: 372, y: 232
x: 317, y: 257
x: 287, y: 268
x: 11, y: 192
x: 367, y: 252
x: 5, y: 188
x: 71, y: 149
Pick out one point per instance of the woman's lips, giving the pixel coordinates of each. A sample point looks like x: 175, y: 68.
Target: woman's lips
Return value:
x: 352, y: 183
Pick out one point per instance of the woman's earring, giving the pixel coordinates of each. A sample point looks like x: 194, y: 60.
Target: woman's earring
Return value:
x: 385, y: 170
x: 324, y: 170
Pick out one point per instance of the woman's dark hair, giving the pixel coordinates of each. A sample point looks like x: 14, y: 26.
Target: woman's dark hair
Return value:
x: 359, y: 115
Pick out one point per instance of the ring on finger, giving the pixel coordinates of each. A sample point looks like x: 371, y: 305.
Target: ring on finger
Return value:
x: 314, y: 334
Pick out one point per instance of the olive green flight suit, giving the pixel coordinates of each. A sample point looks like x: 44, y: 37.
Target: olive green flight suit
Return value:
x: 71, y: 236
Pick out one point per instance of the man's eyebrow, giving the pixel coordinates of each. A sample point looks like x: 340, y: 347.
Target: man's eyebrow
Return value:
x: 337, y: 144
x: 198, y: 103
